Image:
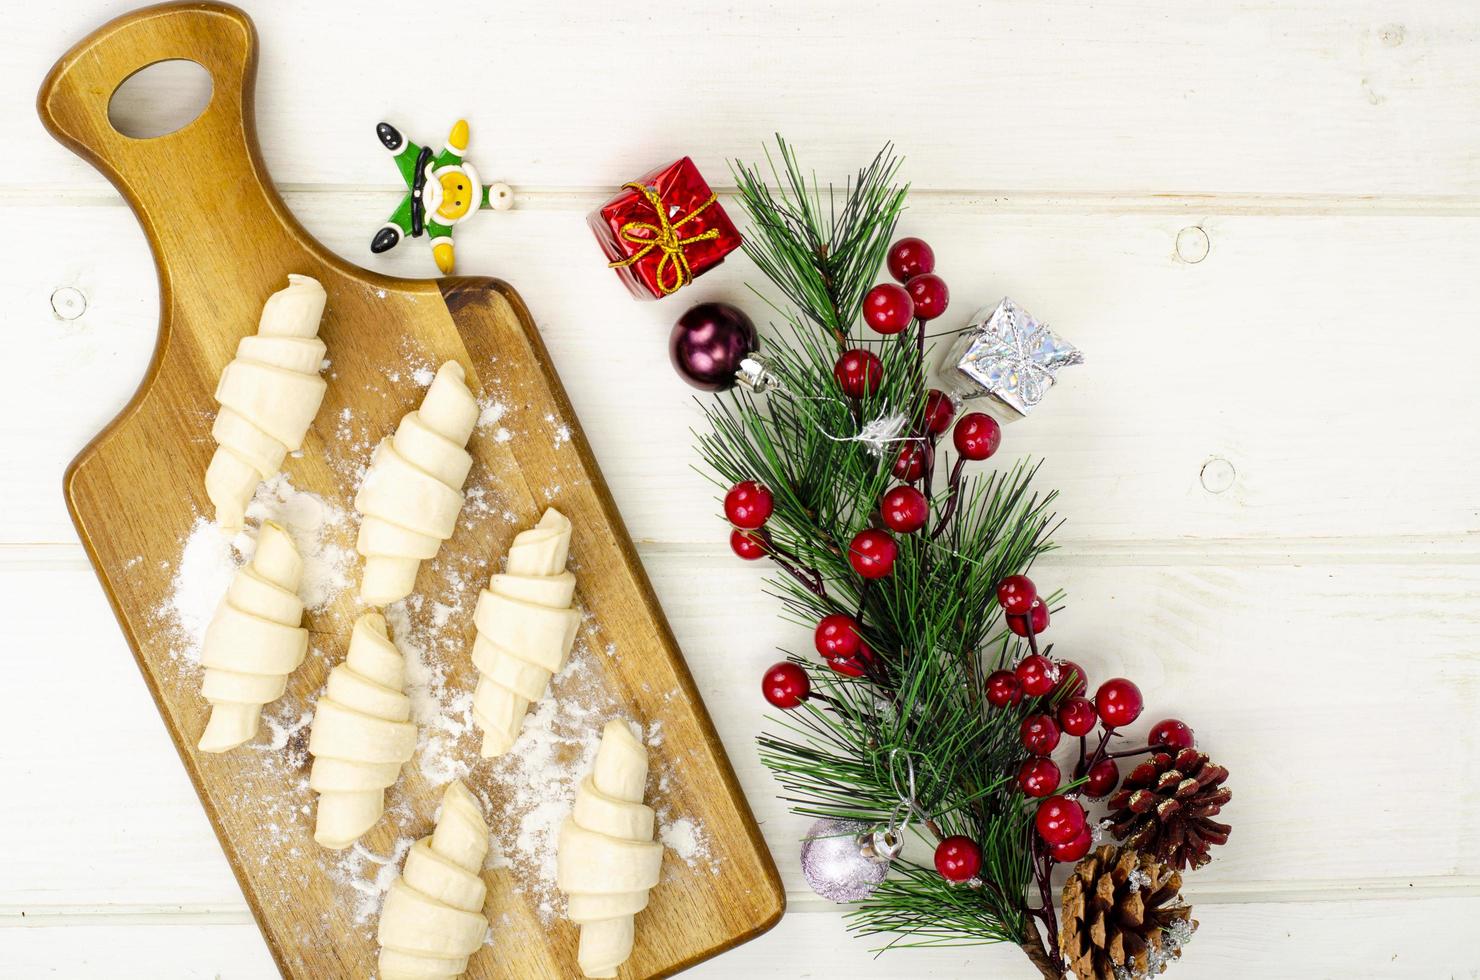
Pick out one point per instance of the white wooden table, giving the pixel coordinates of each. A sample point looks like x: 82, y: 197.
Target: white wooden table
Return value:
x: 1261, y: 222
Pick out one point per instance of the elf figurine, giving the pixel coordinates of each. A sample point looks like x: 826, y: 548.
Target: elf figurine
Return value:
x: 443, y: 190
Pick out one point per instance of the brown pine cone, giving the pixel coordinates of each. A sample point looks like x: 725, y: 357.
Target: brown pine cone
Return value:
x: 1123, y: 916
x: 1165, y: 804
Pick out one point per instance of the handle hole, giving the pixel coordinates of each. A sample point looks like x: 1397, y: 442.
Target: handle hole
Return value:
x: 160, y: 99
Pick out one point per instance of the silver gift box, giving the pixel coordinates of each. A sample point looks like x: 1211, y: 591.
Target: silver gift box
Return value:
x: 1006, y: 354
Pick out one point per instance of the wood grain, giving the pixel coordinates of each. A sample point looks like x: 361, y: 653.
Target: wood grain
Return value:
x: 222, y: 241
x: 1332, y: 101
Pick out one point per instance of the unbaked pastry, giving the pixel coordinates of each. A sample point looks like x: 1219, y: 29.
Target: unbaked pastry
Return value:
x: 362, y: 734
x: 269, y: 396
x: 432, y: 920
x: 606, y: 859
x: 254, y: 641
x: 412, y: 493
x: 526, y: 627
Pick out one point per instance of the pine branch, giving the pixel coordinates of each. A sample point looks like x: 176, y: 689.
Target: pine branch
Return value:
x: 918, y: 716
x: 822, y: 258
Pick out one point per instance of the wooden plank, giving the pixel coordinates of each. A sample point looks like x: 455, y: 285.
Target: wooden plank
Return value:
x: 1417, y: 938
x: 1331, y: 400
x: 1274, y: 665
x: 1327, y: 99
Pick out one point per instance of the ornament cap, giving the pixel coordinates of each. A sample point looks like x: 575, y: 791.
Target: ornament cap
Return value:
x: 755, y: 376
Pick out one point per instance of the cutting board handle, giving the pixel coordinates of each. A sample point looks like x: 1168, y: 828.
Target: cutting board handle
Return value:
x: 73, y: 102
x: 192, y: 187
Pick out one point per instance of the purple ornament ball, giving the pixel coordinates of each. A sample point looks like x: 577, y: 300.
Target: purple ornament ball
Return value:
x: 709, y: 342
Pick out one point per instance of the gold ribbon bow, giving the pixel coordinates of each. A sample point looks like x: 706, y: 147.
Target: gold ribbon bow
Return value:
x: 663, y: 235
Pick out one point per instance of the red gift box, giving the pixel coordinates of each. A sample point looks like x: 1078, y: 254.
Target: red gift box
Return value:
x: 663, y: 229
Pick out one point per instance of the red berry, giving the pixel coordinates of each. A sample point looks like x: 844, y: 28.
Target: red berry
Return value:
x: 1077, y: 716
x: 1037, y: 674
x: 854, y: 666
x: 977, y: 436
x: 1003, y: 689
x: 958, y: 858
x: 1038, y: 777
x: 785, y: 685
x: 914, y: 457
x: 910, y: 257
x: 1040, y: 734
x: 888, y: 308
x: 859, y: 372
x: 1119, y: 702
x: 748, y: 505
x: 1015, y: 594
x: 747, y: 545
x: 904, y: 509
x: 872, y: 553
x: 837, y: 636
x: 1101, y: 778
x: 1072, y: 680
x: 1059, y: 819
x: 1037, y: 618
x: 1074, y: 849
x: 930, y: 295
x: 939, y: 411
x: 1172, y: 733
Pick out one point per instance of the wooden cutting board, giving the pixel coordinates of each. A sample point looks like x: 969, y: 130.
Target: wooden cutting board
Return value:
x: 223, y: 241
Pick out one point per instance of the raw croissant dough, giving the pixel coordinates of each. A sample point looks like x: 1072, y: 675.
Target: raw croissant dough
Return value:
x: 361, y: 735
x: 413, y: 492
x: 433, y: 919
x: 525, y: 630
x: 254, y: 641
x: 607, y: 858
x: 269, y: 395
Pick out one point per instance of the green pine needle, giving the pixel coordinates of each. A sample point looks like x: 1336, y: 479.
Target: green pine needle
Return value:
x: 934, y: 623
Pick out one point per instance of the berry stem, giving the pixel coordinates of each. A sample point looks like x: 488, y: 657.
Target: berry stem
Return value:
x: 1129, y: 752
x: 949, y: 510
x: 1099, y: 752
x: 1032, y: 634
x: 1042, y: 870
x: 810, y: 578
x: 920, y: 356
x: 830, y: 702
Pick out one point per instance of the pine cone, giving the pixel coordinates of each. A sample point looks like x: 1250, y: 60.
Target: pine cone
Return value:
x: 1123, y: 916
x: 1164, y: 805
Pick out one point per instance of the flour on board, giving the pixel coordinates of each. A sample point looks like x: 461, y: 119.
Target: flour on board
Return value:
x: 527, y: 794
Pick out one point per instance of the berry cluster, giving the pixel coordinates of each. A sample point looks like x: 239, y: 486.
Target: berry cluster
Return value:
x: 889, y: 308
x: 1057, y: 705
x: 1055, y: 690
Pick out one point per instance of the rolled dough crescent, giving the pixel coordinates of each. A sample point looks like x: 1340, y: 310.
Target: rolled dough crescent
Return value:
x: 526, y: 627
x: 254, y: 641
x: 269, y: 395
x: 412, y: 494
x: 432, y: 920
x: 361, y: 736
x: 606, y: 859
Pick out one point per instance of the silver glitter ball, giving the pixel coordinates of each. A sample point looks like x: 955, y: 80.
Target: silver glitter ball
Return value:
x: 1008, y: 355
x: 834, y: 864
